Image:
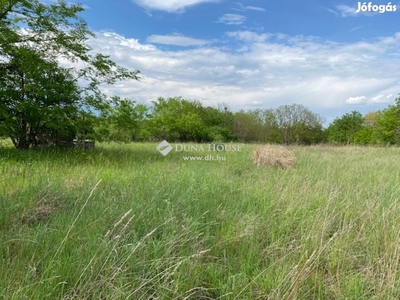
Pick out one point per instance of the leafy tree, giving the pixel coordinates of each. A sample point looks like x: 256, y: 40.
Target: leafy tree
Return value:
x: 256, y: 126
x: 35, y: 36
x: 287, y: 124
x: 219, y: 122
x: 364, y: 136
x: 246, y: 127
x: 388, y: 125
x: 270, y: 127
x: 371, y: 118
x: 297, y: 124
x: 258, y: 132
x: 369, y: 133
x: 176, y: 119
x: 142, y: 113
x: 343, y: 130
x: 123, y: 121
x: 35, y: 94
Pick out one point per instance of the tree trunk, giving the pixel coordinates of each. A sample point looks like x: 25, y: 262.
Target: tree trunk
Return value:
x: 22, y: 141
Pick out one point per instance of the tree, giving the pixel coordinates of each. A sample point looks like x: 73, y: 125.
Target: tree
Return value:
x: 34, y: 38
x: 343, y: 130
x: 271, y: 129
x: 123, y: 121
x: 34, y: 94
x: 219, y: 122
x: 246, y: 127
x: 287, y: 124
x: 369, y: 133
x: 256, y: 126
x: 388, y: 125
x: 371, y: 118
x: 297, y: 124
x: 176, y: 119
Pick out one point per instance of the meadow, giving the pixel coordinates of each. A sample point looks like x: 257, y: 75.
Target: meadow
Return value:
x: 121, y: 221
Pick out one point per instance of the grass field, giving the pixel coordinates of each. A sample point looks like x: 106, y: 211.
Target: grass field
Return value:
x: 124, y: 222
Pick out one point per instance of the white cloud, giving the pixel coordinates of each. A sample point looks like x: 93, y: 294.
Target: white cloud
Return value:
x: 331, y: 11
x: 378, y: 99
x: 346, y: 11
x: 256, y: 8
x: 357, y: 100
x: 356, y: 28
x: 232, y: 19
x: 248, y: 36
x: 241, y: 7
x: 177, y: 40
x: 170, y: 5
x: 382, y: 98
x: 118, y: 40
x: 272, y: 69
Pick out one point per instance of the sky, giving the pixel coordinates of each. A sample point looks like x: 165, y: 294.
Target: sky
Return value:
x: 253, y: 54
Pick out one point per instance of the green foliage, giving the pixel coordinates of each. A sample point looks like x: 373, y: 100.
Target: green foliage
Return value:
x: 52, y: 29
x: 364, y: 136
x: 298, y: 124
x: 271, y: 130
x: 245, y: 127
x: 343, y: 130
x: 36, y: 93
x: 375, y: 128
x: 123, y: 121
x: 177, y: 119
x: 219, y: 122
x: 388, y: 125
x: 221, y: 133
x: 256, y: 126
x: 288, y: 124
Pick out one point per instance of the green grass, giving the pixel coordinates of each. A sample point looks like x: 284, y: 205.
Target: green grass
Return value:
x: 124, y: 222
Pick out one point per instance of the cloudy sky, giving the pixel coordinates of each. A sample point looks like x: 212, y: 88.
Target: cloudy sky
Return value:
x: 253, y: 53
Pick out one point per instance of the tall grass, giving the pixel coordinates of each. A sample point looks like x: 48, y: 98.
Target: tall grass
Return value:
x: 124, y: 222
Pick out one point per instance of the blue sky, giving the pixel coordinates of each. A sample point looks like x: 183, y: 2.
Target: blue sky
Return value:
x: 253, y: 54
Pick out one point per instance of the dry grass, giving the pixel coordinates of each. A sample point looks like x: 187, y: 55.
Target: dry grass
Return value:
x: 274, y: 156
x: 40, y: 213
x: 44, y: 209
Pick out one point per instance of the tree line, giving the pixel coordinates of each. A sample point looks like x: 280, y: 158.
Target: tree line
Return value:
x: 42, y: 100
x: 380, y: 127
x: 179, y: 120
